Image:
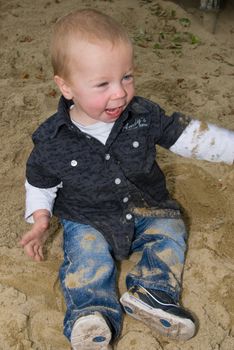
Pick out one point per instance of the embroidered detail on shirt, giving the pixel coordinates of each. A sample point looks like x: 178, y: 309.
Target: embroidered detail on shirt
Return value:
x: 138, y: 123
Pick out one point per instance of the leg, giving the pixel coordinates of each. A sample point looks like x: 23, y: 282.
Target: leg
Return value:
x: 160, y: 244
x: 88, y: 277
x: 154, y: 284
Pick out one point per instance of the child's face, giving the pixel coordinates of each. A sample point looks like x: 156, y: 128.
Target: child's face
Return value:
x: 101, y: 81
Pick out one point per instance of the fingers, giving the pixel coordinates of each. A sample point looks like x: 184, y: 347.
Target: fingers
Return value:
x: 32, y: 246
x: 34, y: 250
x: 38, y: 232
x: 33, y: 240
x: 27, y: 237
x: 38, y: 253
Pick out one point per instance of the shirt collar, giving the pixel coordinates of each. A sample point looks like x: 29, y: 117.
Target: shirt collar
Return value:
x: 63, y: 117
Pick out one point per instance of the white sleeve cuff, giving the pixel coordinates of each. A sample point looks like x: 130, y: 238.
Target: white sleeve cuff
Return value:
x: 206, y: 141
x: 39, y: 198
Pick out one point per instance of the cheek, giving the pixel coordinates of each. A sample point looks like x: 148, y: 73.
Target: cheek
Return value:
x: 90, y: 102
x: 131, y: 91
x: 98, y: 102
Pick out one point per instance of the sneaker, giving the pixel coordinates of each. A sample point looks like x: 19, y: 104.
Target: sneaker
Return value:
x: 91, y: 333
x: 158, y: 311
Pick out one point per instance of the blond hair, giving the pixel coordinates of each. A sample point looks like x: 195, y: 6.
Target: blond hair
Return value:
x: 86, y: 24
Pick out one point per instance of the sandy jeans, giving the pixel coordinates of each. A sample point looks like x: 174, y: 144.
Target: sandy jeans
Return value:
x: 88, y: 272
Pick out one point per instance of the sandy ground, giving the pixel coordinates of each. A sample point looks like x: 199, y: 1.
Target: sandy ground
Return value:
x: 179, y: 64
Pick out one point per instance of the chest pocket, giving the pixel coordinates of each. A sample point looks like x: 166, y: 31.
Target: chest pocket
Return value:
x: 135, y: 150
x: 80, y: 170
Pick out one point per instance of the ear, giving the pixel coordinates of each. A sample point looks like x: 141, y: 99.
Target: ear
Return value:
x: 64, y: 87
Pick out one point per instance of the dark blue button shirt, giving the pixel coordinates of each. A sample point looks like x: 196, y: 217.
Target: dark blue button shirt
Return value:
x: 106, y: 185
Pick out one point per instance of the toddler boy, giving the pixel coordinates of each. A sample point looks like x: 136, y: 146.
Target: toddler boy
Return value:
x: 93, y: 165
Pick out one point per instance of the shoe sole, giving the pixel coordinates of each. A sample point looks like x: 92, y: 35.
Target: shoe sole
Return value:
x: 166, y: 324
x: 91, y: 333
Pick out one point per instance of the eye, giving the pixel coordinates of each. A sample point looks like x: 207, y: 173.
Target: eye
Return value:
x: 128, y: 77
x: 105, y: 83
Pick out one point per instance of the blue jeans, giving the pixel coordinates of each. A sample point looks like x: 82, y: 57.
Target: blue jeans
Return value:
x: 88, y: 272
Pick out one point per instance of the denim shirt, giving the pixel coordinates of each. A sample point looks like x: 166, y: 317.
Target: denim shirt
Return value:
x: 105, y: 186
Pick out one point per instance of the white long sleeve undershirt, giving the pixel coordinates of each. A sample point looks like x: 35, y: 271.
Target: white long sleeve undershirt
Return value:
x: 205, y: 141
x: 199, y: 140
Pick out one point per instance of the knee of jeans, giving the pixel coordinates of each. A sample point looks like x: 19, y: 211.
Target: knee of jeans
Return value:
x: 85, y: 241
x: 170, y: 228
x: 90, y: 275
x: 87, y: 260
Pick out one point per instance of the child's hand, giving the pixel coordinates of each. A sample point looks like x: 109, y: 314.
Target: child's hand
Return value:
x: 33, y: 240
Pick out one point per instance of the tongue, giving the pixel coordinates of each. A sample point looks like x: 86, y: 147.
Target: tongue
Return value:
x: 113, y: 111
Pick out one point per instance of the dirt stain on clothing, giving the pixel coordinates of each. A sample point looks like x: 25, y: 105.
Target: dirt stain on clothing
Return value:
x: 90, y: 238
x: 88, y: 242
x: 82, y: 277
x: 203, y: 127
x: 155, y: 212
x: 170, y: 258
x: 152, y: 231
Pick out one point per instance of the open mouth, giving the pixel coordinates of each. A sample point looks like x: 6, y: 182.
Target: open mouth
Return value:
x: 114, y: 112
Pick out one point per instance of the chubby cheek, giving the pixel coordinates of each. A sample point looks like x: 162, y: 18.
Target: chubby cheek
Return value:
x: 97, y: 103
x: 131, y: 92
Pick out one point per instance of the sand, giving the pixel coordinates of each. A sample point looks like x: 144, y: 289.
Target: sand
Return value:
x: 181, y: 65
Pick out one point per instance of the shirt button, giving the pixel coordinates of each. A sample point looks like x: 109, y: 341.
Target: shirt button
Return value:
x: 135, y: 144
x: 117, y: 181
x: 107, y: 156
x: 129, y: 216
x: 125, y: 199
x: 74, y: 163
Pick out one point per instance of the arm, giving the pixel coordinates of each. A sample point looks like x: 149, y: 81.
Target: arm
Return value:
x: 37, y: 198
x: 39, y: 205
x: 205, y: 141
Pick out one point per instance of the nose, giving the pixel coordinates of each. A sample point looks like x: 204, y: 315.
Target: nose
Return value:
x: 119, y: 91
